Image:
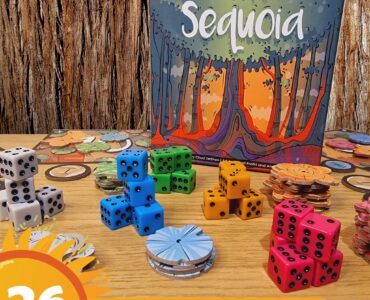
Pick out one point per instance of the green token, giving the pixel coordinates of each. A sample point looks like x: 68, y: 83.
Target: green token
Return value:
x: 93, y: 147
x: 63, y: 151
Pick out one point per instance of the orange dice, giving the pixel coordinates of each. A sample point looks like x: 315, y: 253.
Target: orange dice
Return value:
x: 235, y: 184
x: 250, y: 207
x: 215, y: 204
x: 232, y: 166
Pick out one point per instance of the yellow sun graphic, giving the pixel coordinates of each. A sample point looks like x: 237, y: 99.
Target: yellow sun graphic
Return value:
x: 37, y: 274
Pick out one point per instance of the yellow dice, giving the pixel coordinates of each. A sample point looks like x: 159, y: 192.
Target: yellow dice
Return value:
x: 235, y: 183
x: 250, y: 207
x: 215, y: 205
x: 231, y: 165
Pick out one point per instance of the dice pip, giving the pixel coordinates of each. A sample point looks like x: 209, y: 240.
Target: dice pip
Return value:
x: 115, y: 212
x: 162, y: 183
x: 318, y: 236
x: 250, y: 207
x: 287, y: 215
x: 289, y: 269
x: 132, y: 165
x: 235, y: 184
x: 3, y: 206
x: 20, y: 191
x: 183, y: 181
x: 215, y: 204
x: 328, y: 272
x: 25, y: 215
x: 139, y: 193
x: 18, y: 163
x: 148, y: 218
x: 51, y: 200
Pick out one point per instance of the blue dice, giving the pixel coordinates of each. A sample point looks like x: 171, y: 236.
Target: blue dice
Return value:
x: 116, y: 212
x: 148, y: 218
x: 139, y: 193
x: 132, y: 165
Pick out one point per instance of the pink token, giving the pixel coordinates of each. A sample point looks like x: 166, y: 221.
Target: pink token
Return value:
x: 341, y: 144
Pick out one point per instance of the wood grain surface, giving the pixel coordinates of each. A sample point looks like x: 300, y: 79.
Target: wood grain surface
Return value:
x: 242, y: 246
x: 86, y: 64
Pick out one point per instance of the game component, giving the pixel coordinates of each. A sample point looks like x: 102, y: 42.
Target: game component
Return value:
x: 36, y: 236
x: 180, y: 247
x: 183, y: 181
x: 287, y: 216
x: 3, y: 206
x: 128, y: 145
x: 328, y: 272
x: 215, y: 204
x: 341, y: 144
x: 25, y: 215
x: 68, y: 172
x: 114, y: 137
x: 18, y: 163
x: 2, y: 185
x: 20, y: 191
x: 318, y: 236
x: 362, y: 151
x: 362, y: 139
x: 276, y: 240
x: 142, y: 142
x: 132, y: 165
x: 250, y: 207
x: 235, y: 184
x: 116, y: 212
x: 63, y: 151
x: 361, y: 240
x: 148, y: 218
x: 339, y: 166
x: 232, y: 166
x: 162, y: 161
x: 51, y: 200
x: 183, y: 157
x: 93, y: 147
x: 139, y: 193
x: 289, y: 269
x: 358, y: 183
x: 162, y: 183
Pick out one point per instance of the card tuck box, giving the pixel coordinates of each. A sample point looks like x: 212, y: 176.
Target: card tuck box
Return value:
x: 246, y: 80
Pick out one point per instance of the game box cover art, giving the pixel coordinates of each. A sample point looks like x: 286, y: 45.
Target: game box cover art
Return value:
x: 247, y: 80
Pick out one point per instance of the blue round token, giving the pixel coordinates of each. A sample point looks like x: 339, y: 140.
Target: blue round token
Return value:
x: 362, y: 139
x: 339, y: 166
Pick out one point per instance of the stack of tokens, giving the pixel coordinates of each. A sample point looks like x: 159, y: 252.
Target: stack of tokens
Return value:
x: 180, y: 253
x: 301, y: 182
x: 361, y: 240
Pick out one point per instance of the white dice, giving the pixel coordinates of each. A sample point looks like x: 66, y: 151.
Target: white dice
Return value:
x: 18, y: 163
x: 3, y: 206
x: 20, y: 191
x: 25, y: 215
x: 51, y: 200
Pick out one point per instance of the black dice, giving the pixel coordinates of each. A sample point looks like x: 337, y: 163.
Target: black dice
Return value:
x: 51, y: 200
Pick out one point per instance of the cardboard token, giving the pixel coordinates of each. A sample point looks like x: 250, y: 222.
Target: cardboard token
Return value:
x: 359, y: 183
x: 362, y: 139
x: 114, y: 137
x: 362, y: 151
x: 63, y: 151
x: 68, y: 172
x: 339, y: 166
x: 340, y: 144
x: 93, y: 147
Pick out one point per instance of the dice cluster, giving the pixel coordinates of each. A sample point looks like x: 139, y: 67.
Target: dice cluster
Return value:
x: 232, y: 195
x: 361, y: 240
x: 172, y: 170
x: 303, y: 248
x: 20, y: 203
x: 137, y: 205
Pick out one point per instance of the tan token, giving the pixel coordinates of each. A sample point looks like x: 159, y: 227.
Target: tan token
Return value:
x: 362, y: 151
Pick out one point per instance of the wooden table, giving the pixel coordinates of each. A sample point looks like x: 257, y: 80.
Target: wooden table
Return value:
x: 242, y: 246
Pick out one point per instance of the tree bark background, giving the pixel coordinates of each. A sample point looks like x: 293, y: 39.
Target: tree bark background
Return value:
x: 86, y: 64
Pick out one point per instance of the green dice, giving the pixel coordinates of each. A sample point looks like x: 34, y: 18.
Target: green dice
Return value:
x: 162, y: 161
x: 183, y: 157
x: 162, y: 183
x: 183, y: 181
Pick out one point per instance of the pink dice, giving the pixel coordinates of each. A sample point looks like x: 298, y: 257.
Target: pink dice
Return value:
x: 289, y: 269
x: 328, y: 272
x: 287, y: 215
x: 276, y: 240
x: 317, y: 236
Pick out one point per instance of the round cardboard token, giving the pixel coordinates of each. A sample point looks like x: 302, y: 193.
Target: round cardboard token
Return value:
x: 68, y: 172
x: 362, y: 139
x: 340, y: 144
x: 339, y: 166
x: 359, y: 183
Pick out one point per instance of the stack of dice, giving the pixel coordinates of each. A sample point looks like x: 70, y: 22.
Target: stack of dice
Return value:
x: 303, y: 249
x: 137, y: 205
x: 20, y: 203
x: 172, y: 170
x: 232, y: 195
x: 361, y: 240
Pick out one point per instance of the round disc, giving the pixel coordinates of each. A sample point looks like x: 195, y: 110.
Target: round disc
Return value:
x: 362, y: 139
x: 68, y: 172
x: 339, y: 166
x: 359, y: 183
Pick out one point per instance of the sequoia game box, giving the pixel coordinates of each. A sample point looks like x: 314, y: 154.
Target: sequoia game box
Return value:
x: 247, y: 80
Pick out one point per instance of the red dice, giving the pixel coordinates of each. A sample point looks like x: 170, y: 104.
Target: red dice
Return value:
x: 289, y: 269
x: 328, y: 272
x: 276, y: 240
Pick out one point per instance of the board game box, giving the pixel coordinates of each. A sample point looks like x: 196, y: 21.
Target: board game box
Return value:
x: 247, y: 80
